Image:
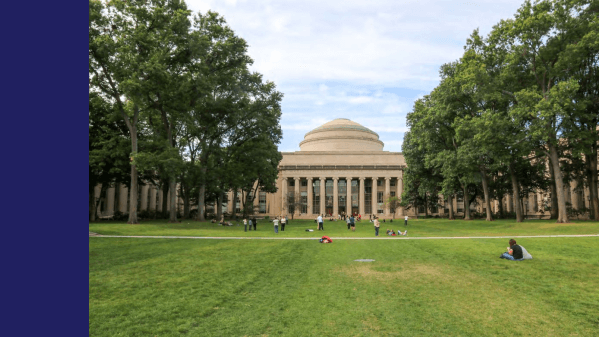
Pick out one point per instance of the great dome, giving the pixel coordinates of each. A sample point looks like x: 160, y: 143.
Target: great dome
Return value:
x: 341, y: 134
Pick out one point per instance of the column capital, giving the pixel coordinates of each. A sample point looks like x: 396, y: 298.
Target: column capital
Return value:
x: 336, y: 178
x: 388, y: 178
x: 322, y: 179
x: 297, y: 178
x: 310, y: 178
x: 362, y: 178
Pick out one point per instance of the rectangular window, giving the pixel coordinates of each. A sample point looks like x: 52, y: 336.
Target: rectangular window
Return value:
x: 368, y: 196
x: 290, y: 203
x: 262, y: 202
x: 392, y: 193
x: 379, y: 182
x: 380, y: 211
x: 304, y: 182
x: 393, y: 182
x: 379, y: 197
x: 316, y: 196
x: 460, y: 210
x: 434, y: 210
x: 341, y: 196
x: 420, y: 209
x: 304, y: 209
x: 291, y: 182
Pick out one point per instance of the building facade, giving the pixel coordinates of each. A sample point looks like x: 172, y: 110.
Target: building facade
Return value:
x: 341, y: 168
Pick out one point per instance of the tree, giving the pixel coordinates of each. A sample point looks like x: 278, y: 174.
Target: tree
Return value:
x: 292, y: 202
x: 392, y: 203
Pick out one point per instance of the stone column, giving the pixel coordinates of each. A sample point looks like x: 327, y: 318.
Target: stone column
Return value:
x: 386, y: 193
x: 297, y: 194
x: 400, y: 191
x: 508, y: 200
x: 110, y: 200
x: 361, y: 197
x: 144, y: 198
x: 153, y: 199
x: 284, y: 198
x: 310, y: 196
x: 375, y: 191
x: 348, y: 209
x: 322, y: 195
x: 335, y: 196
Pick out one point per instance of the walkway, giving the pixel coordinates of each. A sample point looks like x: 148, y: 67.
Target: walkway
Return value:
x: 342, y: 238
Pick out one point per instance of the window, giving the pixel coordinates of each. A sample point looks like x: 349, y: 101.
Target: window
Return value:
x: 379, y: 197
x: 420, y: 209
x: 304, y: 182
x: 262, y: 202
x: 393, y: 182
x: 380, y: 211
x: 460, y: 210
x: 304, y: 209
x: 316, y: 197
x: 379, y: 182
x: 290, y: 203
x: 291, y: 182
x: 434, y: 210
x: 368, y: 196
x: 392, y: 193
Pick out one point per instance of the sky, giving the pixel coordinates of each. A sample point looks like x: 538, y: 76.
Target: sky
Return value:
x: 367, y: 61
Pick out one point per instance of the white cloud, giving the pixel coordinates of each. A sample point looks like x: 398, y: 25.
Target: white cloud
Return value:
x: 338, y: 58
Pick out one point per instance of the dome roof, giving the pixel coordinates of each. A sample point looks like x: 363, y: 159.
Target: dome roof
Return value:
x: 341, y: 134
x: 342, y: 124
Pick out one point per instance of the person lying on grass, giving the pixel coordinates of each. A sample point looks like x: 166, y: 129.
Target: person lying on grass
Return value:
x: 404, y: 233
x: 516, y: 252
x: 325, y: 239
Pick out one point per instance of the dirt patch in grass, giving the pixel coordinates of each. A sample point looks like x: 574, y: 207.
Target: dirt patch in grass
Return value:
x: 368, y: 271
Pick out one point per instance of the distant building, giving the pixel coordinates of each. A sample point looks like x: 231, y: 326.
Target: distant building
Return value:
x: 341, y: 168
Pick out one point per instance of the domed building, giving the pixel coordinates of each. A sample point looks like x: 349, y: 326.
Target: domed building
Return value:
x: 341, y: 168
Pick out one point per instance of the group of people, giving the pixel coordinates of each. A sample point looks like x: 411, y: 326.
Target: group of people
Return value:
x: 283, y: 220
x: 390, y: 232
x: 251, y: 222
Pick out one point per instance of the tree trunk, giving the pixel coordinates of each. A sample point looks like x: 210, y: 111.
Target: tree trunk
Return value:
x: 133, y: 190
x: 234, y: 211
x: 553, y: 192
x: 591, y: 163
x: 466, y: 204
x: 559, y: 184
x: 202, y: 189
x: 483, y: 175
x: 117, y: 198
x: 219, y: 205
x: 516, y: 193
x: 186, y: 207
x: 501, y: 211
x: 202, y: 202
x: 450, y: 200
x: 92, y: 205
x: 165, y: 199
x: 173, y: 210
x: 425, y: 206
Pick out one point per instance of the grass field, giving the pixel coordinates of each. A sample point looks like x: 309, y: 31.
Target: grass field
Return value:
x: 297, y: 228
x: 180, y: 287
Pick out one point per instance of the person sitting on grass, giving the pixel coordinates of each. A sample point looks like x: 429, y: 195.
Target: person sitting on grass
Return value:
x: 516, y: 252
x: 390, y: 232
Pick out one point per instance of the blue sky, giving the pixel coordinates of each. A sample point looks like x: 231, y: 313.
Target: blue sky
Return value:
x: 363, y: 60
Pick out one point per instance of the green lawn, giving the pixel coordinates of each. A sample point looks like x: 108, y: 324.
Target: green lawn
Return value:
x: 178, y: 287
x: 297, y: 228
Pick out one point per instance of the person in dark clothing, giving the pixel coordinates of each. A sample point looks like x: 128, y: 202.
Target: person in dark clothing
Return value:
x: 514, y: 252
x: 254, y: 222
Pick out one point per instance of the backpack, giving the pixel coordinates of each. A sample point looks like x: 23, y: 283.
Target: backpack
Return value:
x: 525, y: 254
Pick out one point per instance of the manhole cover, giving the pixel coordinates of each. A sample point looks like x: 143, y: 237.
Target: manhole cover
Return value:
x: 364, y: 260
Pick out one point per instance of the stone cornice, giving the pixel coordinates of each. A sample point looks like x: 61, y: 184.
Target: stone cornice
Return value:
x: 336, y: 153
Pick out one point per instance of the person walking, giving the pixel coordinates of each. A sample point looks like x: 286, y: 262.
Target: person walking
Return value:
x: 376, y: 226
x: 250, y: 223
x: 352, y: 222
x: 405, y: 221
x: 276, y: 222
x: 255, y: 223
x: 283, y: 222
x: 245, y: 225
x: 348, y: 223
x: 319, y: 220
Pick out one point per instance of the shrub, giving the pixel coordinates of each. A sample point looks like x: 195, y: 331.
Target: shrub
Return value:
x: 120, y: 216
